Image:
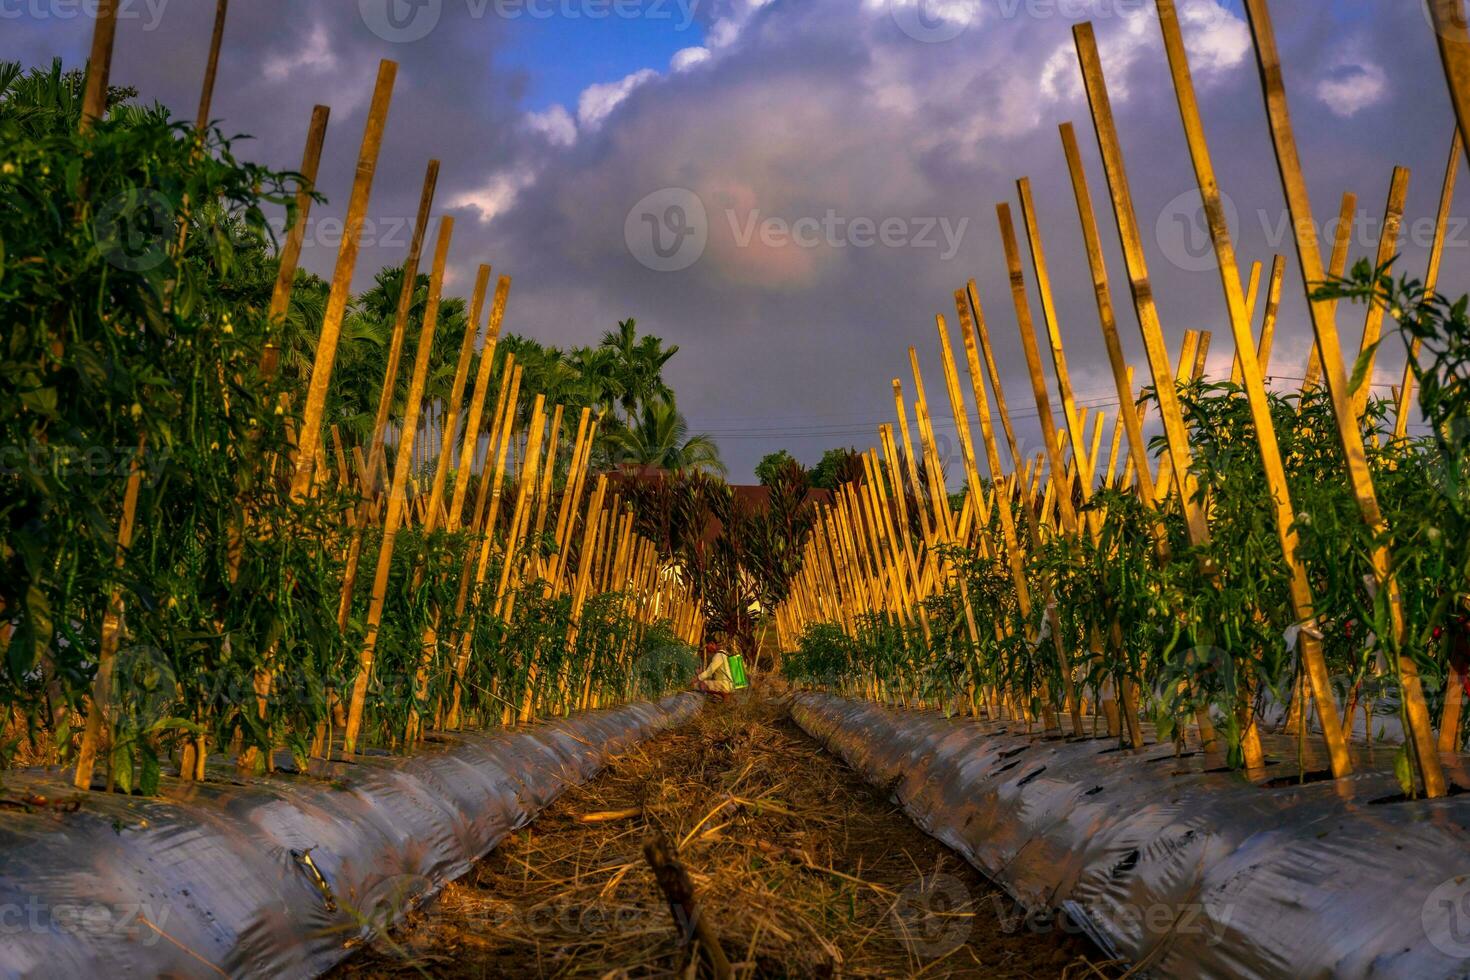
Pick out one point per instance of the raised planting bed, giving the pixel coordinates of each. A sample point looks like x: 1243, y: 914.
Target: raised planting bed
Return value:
x: 278, y: 876
x: 1172, y: 865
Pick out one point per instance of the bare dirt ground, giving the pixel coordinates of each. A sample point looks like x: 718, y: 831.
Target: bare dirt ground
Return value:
x: 801, y: 867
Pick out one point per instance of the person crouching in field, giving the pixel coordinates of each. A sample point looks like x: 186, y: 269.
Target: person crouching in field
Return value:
x: 716, y: 679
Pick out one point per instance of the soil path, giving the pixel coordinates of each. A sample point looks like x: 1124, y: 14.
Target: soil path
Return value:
x: 804, y: 870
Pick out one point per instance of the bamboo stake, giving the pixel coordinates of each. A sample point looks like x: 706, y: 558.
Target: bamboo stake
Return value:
x: 1342, y: 240
x: 1122, y: 374
x: 1252, y: 294
x: 450, y: 427
x: 1388, y: 244
x: 99, y: 64
x: 1273, y: 306
x: 310, y: 432
x: 397, y: 498
x: 111, y: 632
x: 1176, y: 433
x: 912, y: 464
x: 1453, y: 37
x: 1420, y: 729
x: 1075, y: 426
x: 1255, y: 388
x: 1431, y: 282
x: 406, y: 289
x: 983, y: 335
x: 290, y: 256
x: 477, y: 402
x: 1049, y: 433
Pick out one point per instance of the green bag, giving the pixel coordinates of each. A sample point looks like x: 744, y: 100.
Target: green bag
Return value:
x: 737, y: 672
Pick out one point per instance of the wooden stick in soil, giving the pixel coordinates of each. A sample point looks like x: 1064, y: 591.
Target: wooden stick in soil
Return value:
x: 674, y: 881
x: 477, y: 404
x: 1299, y: 587
x: 1336, y: 266
x: 111, y: 632
x: 310, y: 432
x: 368, y: 474
x: 1388, y: 245
x: 482, y: 526
x: 397, y: 498
x: 406, y: 289
x: 429, y: 643
x: 1420, y: 728
x: 1176, y: 433
x: 1405, y: 393
x: 290, y: 257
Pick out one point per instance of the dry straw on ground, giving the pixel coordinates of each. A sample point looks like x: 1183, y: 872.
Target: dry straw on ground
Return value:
x: 802, y: 868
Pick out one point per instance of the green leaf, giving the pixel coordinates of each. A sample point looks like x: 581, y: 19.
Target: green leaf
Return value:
x: 1360, y: 366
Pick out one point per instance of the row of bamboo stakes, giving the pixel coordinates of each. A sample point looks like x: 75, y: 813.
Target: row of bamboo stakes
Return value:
x: 861, y: 559
x: 513, y: 501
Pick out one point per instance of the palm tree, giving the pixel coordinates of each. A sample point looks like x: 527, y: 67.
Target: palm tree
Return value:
x: 660, y: 437
x: 638, y: 366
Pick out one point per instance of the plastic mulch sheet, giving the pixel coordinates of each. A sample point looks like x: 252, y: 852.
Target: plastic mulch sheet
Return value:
x: 279, y: 876
x: 1182, y: 870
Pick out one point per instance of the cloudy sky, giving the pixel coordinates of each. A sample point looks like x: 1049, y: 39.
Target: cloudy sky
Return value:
x: 791, y: 189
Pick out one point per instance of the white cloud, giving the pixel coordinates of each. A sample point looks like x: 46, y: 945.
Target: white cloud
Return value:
x: 1217, y: 40
x: 315, y: 55
x: 555, y: 123
x: 498, y: 194
x: 686, y: 58
x: 598, y: 101
x: 1351, y: 88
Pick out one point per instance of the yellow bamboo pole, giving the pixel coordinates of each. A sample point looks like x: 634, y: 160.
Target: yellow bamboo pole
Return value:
x: 1420, y: 730
x: 1342, y: 240
x: 1273, y: 307
x: 310, y: 432
x: 1431, y: 282
x: 406, y: 289
x: 1176, y: 433
x: 111, y: 632
x: 1388, y: 245
x: 1252, y: 295
x: 1285, y: 518
x: 456, y: 398
x: 99, y: 64
x: 477, y: 402
x: 1075, y: 426
x: 397, y: 498
x: 290, y: 257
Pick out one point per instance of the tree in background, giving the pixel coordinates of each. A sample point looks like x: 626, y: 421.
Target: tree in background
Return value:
x: 637, y: 365
x: 660, y: 437
x: 836, y: 467
x: 769, y: 469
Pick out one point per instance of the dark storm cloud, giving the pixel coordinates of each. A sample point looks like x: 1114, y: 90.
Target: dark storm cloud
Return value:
x: 807, y: 128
